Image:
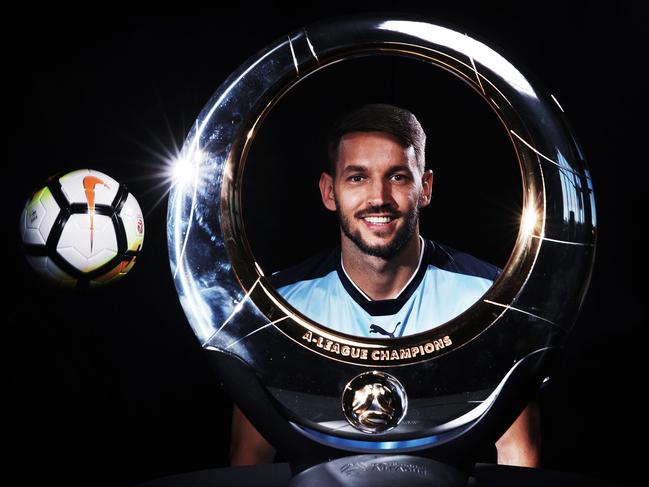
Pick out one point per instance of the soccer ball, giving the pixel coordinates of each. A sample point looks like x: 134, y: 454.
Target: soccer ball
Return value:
x: 82, y: 229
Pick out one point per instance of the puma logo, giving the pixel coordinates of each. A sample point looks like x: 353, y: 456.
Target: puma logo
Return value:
x: 377, y: 329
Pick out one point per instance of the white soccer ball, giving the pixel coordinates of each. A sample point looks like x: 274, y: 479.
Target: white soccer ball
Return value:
x: 82, y: 229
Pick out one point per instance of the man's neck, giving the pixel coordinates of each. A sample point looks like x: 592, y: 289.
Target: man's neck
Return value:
x: 379, y: 278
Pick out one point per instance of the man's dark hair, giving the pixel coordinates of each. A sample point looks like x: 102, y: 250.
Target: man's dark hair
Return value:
x: 379, y: 117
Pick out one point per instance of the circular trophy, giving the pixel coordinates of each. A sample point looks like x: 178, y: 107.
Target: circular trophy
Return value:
x: 314, y: 389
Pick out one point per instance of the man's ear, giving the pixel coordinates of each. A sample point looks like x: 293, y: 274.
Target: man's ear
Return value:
x: 427, y: 188
x: 327, y: 191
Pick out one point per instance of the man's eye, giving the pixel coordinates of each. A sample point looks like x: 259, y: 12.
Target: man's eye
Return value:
x: 399, y: 177
x: 356, y: 179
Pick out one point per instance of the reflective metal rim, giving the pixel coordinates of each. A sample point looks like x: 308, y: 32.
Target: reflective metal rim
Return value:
x: 493, y: 79
x: 464, y: 327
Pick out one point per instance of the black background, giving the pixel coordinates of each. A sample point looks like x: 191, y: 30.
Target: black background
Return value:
x: 108, y: 387
x: 477, y: 188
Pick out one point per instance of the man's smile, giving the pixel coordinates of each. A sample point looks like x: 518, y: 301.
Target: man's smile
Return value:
x: 379, y: 221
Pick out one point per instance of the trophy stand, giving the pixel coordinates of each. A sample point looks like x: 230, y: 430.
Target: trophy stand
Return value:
x: 413, y: 410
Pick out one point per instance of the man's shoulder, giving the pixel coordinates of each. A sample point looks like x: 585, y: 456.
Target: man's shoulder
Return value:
x: 450, y: 259
x: 314, y: 267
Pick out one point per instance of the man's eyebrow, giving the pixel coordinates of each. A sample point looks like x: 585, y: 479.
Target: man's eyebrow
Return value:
x: 361, y: 168
x: 355, y: 168
x: 400, y: 167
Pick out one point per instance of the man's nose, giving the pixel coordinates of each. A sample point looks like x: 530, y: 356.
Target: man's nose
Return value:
x: 379, y: 193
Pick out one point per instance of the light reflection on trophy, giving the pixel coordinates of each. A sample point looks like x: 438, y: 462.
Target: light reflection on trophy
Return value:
x: 317, y: 393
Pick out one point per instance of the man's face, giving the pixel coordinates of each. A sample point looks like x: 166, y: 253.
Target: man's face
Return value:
x: 377, y: 191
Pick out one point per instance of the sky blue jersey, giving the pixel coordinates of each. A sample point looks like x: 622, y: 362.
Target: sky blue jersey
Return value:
x: 446, y: 283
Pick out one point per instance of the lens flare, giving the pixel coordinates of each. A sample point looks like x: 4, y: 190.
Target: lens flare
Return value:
x: 183, y: 168
x: 529, y: 219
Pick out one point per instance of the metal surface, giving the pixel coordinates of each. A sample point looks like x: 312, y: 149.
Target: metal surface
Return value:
x: 374, y: 402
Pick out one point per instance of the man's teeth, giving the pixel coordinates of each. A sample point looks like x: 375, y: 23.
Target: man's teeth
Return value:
x: 378, y: 219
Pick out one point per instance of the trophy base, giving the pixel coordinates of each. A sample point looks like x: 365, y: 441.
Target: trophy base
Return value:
x: 279, y: 475
x: 381, y: 471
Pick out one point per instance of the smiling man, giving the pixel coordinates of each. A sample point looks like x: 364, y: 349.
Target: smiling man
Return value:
x: 384, y: 280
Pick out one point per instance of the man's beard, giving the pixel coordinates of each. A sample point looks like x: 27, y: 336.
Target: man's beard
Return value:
x: 390, y: 249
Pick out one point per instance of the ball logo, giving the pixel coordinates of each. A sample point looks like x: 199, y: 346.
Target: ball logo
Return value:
x: 140, y: 226
x: 89, y: 184
x: 33, y: 216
